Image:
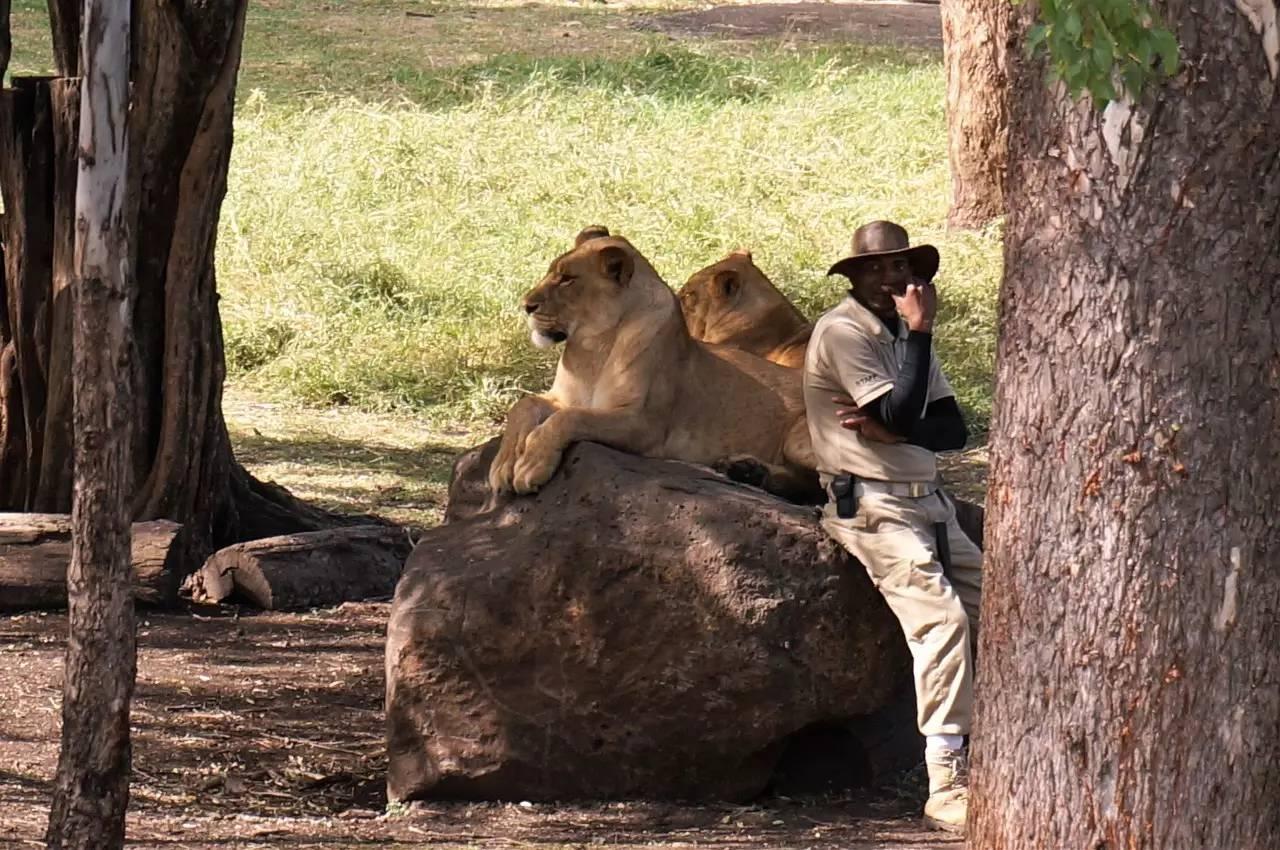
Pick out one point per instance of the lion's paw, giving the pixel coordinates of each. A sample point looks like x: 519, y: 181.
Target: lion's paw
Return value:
x: 534, y: 469
x: 743, y: 469
x: 502, y: 470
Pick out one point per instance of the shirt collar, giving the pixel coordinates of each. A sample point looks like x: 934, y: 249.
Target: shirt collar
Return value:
x: 869, y: 322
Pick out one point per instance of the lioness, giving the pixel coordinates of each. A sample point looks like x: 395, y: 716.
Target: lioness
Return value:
x: 733, y: 303
x: 631, y: 377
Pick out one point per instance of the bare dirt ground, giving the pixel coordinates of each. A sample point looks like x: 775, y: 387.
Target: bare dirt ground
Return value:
x: 898, y: 24
x: 261, y: 730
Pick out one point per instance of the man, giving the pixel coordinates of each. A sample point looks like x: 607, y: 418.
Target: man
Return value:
x: 874, y: 351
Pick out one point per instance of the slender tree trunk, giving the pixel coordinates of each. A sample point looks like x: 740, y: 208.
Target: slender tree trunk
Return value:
x: 91, y: 792
x: 1129, y: 687
x: 64, y: 17
x: 975, y: 46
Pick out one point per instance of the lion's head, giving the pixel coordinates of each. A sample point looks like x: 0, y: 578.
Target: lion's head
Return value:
x: 732, y: 302
x: 590, y: 290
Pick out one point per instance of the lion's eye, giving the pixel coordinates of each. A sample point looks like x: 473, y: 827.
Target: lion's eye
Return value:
x: 565, y: 281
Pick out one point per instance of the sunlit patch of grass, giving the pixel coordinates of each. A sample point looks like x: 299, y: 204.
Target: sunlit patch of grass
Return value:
x: 31, y: 38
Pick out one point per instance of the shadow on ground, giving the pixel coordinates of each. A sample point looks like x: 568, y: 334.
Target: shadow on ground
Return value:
x: 394, y: 472
x: 916, y: 25
x: 267, y: 730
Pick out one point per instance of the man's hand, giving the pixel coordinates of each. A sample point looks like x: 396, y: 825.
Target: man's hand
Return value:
x: 918, y: 306
x: 853, y: 419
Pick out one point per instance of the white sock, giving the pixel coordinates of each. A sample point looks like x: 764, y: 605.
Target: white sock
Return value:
x: 936, y: 743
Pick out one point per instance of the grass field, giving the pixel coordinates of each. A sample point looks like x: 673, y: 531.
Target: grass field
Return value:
x: 400, y: 176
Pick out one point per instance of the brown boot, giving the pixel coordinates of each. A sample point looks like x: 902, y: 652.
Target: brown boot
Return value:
x: 948, y: 804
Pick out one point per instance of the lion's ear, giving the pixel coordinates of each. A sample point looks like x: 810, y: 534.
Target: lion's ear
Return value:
x: 727, y: 282
x: 616, y: 264
x: 595, y: 231
x: 745, y: 253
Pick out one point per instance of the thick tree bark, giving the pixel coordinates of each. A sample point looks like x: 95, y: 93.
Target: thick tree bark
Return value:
x: 91, y: 791
x: 35, y: 552
x: 1129, y: 688
x: 64, y: 18
x: 182, y: 144
x: 26, y: 181
x: 53, y: 478
x: 184, y: 64
x: 975, y: 46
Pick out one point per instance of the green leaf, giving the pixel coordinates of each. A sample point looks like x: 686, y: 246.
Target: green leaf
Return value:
x: 1103, y: 57
x: 1167, y: 47
x: 1035, y: 37
x: 1102, y: 90
x: 1072, y: 24
x: 1143, y: 53
x: 1096, y: 45
x: 1133, y: 77
x: 1102, y: 28
x: 1077, y: 76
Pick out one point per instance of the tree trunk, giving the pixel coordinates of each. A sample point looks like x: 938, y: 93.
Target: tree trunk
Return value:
x: 6, y: 40
x: 1129, y: 686
x: 184, y: 65
x: 35, y: 552
x: 975, y: 46
x: 91, y: 791
x: 314, y: 570
x: 37, y: 124
x: 64, y: 18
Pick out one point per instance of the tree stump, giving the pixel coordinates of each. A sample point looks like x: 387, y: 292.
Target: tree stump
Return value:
x: 311, y: 570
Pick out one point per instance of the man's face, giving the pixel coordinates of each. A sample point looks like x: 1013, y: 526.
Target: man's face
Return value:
x: 876, y: 280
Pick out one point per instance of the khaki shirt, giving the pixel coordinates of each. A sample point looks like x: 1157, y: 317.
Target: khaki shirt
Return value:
x: 852, y: 353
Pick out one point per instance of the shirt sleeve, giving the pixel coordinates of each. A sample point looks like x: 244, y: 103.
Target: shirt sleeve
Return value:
x: 852, y: 361
x: 939, y: 386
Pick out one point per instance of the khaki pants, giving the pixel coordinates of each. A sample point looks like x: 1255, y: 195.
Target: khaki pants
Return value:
x: 894, y: 539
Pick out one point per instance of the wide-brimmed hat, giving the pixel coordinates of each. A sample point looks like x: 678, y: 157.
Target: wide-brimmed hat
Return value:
x: 886, y: 239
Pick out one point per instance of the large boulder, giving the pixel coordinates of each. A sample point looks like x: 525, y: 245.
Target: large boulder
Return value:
x: 637, y: 628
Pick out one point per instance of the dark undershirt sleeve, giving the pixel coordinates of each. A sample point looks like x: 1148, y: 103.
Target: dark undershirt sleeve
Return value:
x: 901, y: 408
x: 942, y: 429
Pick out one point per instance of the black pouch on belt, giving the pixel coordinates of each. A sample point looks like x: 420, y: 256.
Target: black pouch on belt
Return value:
x: 846, y: 499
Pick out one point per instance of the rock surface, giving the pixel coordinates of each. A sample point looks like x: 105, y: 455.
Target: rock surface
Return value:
x: 637, y: 628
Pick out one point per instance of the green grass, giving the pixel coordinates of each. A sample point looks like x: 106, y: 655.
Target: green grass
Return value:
x: 398, y: 181
x: 32, y: 44
x: 374, y: 254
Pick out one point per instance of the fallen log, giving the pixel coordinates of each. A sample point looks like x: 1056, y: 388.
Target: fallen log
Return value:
x: 35, y: 550
x: 309, y: 570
